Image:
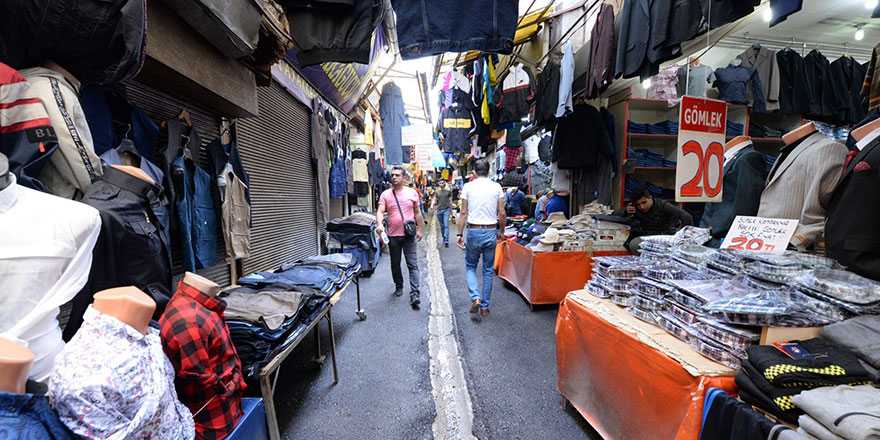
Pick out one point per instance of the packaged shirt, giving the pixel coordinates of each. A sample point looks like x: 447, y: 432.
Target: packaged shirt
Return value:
x: 113, y: 382
x: 45, y: 258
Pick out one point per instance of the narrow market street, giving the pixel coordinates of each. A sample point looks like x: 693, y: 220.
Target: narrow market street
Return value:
x: 384, y: 389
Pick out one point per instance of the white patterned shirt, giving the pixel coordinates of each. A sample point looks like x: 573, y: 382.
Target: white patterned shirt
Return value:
x: 113, y: 382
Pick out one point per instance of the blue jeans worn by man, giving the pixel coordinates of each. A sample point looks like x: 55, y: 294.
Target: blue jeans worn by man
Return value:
x: 443, y: 216
x: 480, y: 242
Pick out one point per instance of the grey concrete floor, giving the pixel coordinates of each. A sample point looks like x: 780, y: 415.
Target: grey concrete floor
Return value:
x: 384, y: 389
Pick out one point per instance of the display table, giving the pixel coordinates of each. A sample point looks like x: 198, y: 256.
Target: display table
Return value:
x: 545, y: 277
x: 628, y: 378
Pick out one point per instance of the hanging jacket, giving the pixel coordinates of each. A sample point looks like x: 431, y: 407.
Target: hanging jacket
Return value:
x: 846, y: 78
x: 456, y: 125
x: 732, y: 83
x: 818, y: 72
x: 515, y: 93
x: 547, y: 93
x: 27, y: 140
x: 342, y: 35
x: 196, y: 217
x: 75, y: 165
x: 393, y: 115
x: 794, y: 93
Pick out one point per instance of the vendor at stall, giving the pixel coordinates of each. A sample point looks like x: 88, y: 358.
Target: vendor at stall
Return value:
x: 543, y: 198
x: 557, y: 202
x: 655, y: 217
x: 514, y: 200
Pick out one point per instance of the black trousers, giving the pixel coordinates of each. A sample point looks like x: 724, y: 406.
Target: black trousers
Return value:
x: 410, y: 250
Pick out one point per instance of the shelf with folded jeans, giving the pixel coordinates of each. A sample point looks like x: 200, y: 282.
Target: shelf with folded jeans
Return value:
x: 661, y: 128
x: 649, y: 159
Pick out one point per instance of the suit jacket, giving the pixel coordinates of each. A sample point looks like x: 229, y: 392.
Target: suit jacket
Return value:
x: 600, y: 72
x: 846, y: 78
x: 801, y: 186
x: 744, y: 178
x: 678, y: 21
x: 818, y: 80
x: 794, y: 94
x: 632, y: 43
x: 726, y: 11
x: 764, y: 61
x: 852, y: 231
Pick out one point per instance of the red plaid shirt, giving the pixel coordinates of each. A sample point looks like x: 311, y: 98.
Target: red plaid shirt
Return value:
x: 208, y: 373
x: 510, y: 155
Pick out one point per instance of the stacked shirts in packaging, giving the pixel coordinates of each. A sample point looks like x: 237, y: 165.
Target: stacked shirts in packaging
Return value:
x: 718, y: 300
x: 770, y: 377
x: 271, y: 310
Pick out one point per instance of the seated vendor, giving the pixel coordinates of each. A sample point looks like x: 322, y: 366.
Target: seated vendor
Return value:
x: 543, y: 198
x: 514, y: 202
x: 655, y: 217
x: 557, y: 203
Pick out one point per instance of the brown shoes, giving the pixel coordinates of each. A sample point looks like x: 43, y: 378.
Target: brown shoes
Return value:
x: 484, y: 312
x: 475, y: 306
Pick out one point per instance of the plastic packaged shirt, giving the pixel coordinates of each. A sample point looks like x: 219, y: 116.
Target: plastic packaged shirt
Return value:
x: 644, y: 315
x: 841, y: 285
x: 650, y: 287
x: 736, y: 337
x: 716, y: 352
x: 675, y: 327
x: 648, y: 303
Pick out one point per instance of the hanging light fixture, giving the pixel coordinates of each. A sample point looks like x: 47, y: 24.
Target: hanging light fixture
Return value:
x: 768, y: 14
x: 860, y: 33
x: 871, y: 4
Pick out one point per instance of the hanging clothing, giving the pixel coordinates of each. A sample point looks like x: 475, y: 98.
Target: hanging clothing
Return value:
x: 112, y: 117
x: 114, y: 382
x: 732, y: 83
x: 206, y: 366
x: 338, y: 174
x: 196, y: 217
x: 694, y: 80
x: 794, y: 92
x: 235, y: 215
x: 600, y: 70
x: 73, y: 168
x: 581, y: 139
x: 783, y: 8
x: 547, y: 93
x: 764, y: 61
x: 393, y: 114
x: 133, y: 248
x: 516, y: 93
x: 852, y: 232
x: 560, y: 180
x: 663, y: 86
x: 47, y: 254
x: 342, y: 35
x: 846, y: 79
x: 611, y: 126
x: 639, y: 46
x: 432, y: 28
x: 565, y: 81
x: 456, y: 124
x: 678, y: 21
x: 530, y: 149
x: 321, y: 147
x: 818, y: 75
x: 871, y: 86
x: 540, y: 176
x: 743, y: 182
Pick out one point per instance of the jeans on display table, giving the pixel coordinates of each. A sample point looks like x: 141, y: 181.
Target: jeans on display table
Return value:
x: 545, y: 277
x: 630, y: 379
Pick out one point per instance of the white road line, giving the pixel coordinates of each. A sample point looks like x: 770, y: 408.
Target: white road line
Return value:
x: 452, y: 400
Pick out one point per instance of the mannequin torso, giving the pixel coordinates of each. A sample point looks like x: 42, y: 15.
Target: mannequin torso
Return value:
x: 127, y: 304
x: 15, y: 366
x: 798, y: 133
x: 201, y: 283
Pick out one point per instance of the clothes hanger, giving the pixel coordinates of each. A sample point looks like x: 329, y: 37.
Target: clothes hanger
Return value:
x: 184, y: 115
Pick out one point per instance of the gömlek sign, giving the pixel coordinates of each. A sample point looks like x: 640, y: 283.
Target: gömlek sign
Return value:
x: 698, y: 175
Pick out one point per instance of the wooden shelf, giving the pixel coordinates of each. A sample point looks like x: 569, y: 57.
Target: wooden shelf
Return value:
x: 653, y: 168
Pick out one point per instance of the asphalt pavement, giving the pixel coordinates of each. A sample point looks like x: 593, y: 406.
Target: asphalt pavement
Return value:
x: 384, y: 389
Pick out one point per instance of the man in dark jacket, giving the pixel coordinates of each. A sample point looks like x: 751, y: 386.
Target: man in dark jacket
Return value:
x: 655, y: 217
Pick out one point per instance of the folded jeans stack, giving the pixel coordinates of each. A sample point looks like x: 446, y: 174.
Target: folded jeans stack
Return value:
x: 648, y: 158
x: 665, y: 127
x: 734, y: 128
x: 632, y: 184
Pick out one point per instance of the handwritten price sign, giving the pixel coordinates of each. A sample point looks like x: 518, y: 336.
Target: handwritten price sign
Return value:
x: 759, y: 234
x: 702, y: 124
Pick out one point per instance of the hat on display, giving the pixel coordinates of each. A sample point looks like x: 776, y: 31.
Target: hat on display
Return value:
x: 567, y: 234
x: 542, y: 247
x: 551, y: 236
x: 555, y: 217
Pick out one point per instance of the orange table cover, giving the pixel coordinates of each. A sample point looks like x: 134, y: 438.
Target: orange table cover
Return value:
x: 623, y: 387
x: 545, y: 277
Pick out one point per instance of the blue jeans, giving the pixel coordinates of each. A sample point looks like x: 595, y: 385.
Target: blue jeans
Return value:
x: 480, y: 242
x: 443, y: 216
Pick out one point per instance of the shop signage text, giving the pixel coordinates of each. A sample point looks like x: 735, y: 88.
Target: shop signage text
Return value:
x: 700, y: 152
x: 759, y: 234
x: 416, y: 134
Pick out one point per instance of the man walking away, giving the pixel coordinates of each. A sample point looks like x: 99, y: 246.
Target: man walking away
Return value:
x: 442, y: 198
x: 482, y: 208
x: 402, y: 205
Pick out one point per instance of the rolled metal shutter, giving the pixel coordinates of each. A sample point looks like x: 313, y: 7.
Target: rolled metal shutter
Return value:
x: 161, y: 106
x: 276, y: 152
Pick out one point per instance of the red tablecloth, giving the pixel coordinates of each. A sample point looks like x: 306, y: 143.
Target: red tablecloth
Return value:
x: 545, y: 277
x: 624, y: 387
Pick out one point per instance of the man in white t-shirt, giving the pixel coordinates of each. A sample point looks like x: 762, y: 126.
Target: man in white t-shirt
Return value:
x: 482, y: 211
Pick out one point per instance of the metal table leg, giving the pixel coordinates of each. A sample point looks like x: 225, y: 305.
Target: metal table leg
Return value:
x: 269, y: 402
x: 333, y: 346
x: 319, y: 357
x: 360, y: 312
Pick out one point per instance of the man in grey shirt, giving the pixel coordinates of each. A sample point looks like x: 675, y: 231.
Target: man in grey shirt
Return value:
x: 695, y: 79
x: 441, y: 201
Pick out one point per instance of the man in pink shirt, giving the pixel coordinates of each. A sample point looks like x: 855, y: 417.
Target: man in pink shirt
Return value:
x: 402, y: 205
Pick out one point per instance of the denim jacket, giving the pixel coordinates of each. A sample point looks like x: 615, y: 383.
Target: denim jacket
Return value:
x: 27, y: 416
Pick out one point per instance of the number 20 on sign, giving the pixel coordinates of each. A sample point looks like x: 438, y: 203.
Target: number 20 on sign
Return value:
x: 702, y: 124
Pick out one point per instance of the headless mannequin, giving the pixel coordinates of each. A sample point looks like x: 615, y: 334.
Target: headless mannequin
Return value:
x: 201, y: 283
x: 736, y: 141
x: 15, y: 366
x: 127, y: 304
x: 136, y: 172
x: 798, y: 133
x: 858, y: 133
x: 5, y: 180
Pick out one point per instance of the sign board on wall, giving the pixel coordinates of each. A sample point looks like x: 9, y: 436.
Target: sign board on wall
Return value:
x: 416, y: 134
x: 759, y: 234
x: 702, y: 126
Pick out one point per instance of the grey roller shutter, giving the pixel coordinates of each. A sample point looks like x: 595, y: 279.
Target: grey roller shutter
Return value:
x: 276, y: 152
x: 160, y: 106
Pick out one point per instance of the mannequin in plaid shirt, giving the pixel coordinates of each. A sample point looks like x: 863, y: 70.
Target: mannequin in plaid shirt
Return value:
x: 208, y: 372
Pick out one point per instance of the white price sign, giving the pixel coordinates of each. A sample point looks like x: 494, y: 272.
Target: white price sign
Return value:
x: 699, y: 173
x: 759, y: 234
x: 417, y: 134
